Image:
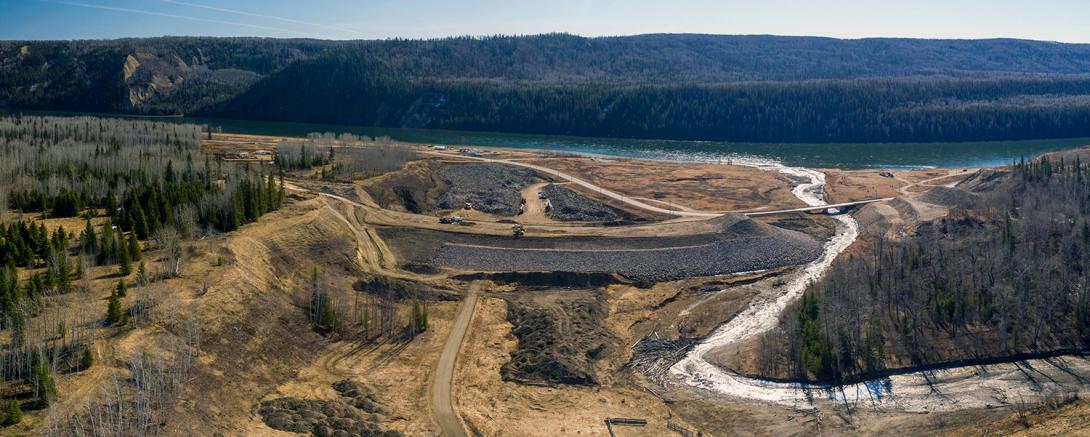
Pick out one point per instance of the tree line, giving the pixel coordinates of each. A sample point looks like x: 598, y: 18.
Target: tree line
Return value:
x: 65, y: 167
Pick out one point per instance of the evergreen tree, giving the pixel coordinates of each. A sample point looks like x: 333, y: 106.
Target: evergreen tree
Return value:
x: 88, y: 239
x: 13, y: 413
x: 142, y: 275
x: 87, y: 358
x: 125, y: 263
x: 121, y: 290
x: 42, y: 379
x: 114, y: 313
x: 140, y: 222
x: 107, y: 245
x: 80, y: 261
x: 50, y: 277
x: 134, y: 247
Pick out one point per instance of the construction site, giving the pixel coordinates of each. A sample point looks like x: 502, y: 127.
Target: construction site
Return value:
x: 584, y: 280
x: 514, y: 292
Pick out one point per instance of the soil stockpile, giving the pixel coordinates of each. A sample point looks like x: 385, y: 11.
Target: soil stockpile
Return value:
x: 951, y: 197
x: 356, y: 413
x: 492, y: 188
x: 401, y: 289
x: 415, y: 189
x: 567, y: 205
x: 560, y: 337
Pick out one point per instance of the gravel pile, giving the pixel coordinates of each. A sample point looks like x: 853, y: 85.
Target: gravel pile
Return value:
x: 355, y: 414
x: 491, y: 188
x: 571, y: 206
x: 716, y: 257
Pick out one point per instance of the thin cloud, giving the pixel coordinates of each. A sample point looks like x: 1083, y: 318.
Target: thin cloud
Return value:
x: 270, y: 17
x: 183, y: 17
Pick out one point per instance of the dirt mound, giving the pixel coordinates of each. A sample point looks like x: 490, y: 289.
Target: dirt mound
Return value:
x: 725, y: 221
x: 561, y: 337
x: 982, y: 180
x: 492, y: 188
x: 415, y: 189
x: 950, y: 197
x: 355, y: 414
x: 567, y: 205
x: 401, y: 289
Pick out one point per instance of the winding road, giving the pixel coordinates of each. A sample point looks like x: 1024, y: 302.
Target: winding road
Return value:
x: 442, y: 386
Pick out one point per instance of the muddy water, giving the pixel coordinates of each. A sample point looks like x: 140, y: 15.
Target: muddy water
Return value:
x: 939, y: 390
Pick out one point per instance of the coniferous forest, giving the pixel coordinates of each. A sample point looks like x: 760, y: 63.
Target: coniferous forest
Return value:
x: 706, y: 87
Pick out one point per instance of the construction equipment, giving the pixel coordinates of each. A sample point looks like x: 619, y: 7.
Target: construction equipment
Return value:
x: 468, y: 206
x: 517, y: 230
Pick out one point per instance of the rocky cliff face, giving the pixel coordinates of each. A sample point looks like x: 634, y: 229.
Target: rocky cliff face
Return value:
x: 170, y: 75
x: 152, y: 75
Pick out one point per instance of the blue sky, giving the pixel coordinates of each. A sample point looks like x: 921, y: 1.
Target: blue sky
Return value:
x: 1055, y: 20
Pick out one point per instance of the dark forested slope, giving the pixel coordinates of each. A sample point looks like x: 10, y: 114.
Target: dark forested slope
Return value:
x: 751, y: 88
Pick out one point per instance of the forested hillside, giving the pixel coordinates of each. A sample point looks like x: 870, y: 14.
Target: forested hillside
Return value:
x: 1005, y: 276
x: 133, y: 185
x: 888, y: 110
x: 742, y: 88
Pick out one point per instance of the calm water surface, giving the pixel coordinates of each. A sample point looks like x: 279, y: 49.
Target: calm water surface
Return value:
x: 858, y: 155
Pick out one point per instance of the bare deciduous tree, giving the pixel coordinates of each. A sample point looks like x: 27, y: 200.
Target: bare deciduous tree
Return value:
x: 170, y: 242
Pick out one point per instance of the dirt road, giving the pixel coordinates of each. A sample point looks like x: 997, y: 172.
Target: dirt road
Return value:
x: 965, y: 172
x: 602, y: 191
x: 534, y: 209
x: 686, y: 212
x: 441, y: 389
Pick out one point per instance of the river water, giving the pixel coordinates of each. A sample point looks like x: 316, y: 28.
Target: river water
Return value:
x: 831, y: 155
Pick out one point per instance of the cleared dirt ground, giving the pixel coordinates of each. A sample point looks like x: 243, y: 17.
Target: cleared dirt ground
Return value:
x: 705, y: 187
x: 491, y: 406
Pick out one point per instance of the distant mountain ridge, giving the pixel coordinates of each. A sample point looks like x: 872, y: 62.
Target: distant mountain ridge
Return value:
x: 659, y: 85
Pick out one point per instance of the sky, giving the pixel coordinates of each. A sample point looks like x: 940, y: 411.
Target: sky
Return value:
x: 1052, y: 20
